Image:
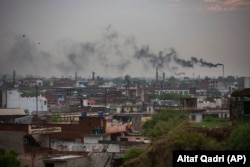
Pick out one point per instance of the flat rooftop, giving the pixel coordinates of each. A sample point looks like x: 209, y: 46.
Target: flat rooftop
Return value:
x: 65, y: 157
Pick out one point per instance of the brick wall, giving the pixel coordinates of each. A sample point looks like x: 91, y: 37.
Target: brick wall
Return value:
x: 69, y: 131
x: 14, y: 127
x: 77, y: 131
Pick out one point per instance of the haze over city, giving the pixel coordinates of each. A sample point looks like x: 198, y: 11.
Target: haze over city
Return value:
x: 115, y: 38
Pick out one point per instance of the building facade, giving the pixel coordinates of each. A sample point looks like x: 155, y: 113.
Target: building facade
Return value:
x: 30, y: 104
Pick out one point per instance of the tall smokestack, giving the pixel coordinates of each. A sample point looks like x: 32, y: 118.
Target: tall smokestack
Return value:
x: 223, y: 71
x: 223, y: 75
x: 75, y: 78
x: 93, y: 75
x: 14, y: 78
x: 163, y: 76
x: 156, y: 75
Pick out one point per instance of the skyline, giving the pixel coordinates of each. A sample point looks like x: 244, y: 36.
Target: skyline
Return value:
x: 116, y: 38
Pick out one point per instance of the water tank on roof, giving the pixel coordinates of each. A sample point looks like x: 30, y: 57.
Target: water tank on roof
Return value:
x: 84, y: 114
x: 100, y: 114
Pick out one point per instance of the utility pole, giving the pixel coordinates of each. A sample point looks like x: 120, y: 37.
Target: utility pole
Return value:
x: 36, y: 99
x: 106, y: 92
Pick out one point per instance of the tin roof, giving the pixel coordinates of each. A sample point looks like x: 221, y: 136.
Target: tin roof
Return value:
x: 62, y: 158
x: 12, y: 111
x: 241, y: 92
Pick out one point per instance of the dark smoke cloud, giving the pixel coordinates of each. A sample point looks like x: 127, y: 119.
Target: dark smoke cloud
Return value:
x: 111, y: 53
x: 159, y: 60
x: 75, y: 56
x: 24, y: 57
x: 108, y: 53
x: 162, y: 60
x: 203, y: 63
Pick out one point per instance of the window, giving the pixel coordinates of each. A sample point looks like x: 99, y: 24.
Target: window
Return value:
x: 247, y: 107
x: 49, y: 165
x: 193, y: 117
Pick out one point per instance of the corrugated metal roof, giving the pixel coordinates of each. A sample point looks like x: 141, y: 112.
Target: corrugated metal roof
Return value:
x: 12, y: 111
x: 63, y: 158
x: 242, y: 92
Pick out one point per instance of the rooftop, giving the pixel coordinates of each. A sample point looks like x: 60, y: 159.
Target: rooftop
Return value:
x: 63, y: 157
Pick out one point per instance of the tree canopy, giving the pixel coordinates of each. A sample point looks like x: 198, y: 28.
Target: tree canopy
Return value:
x: 9, y: 159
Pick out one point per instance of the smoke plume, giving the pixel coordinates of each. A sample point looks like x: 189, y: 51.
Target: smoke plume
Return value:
x: 24, y: 56
x: 111, y: 54
x: 169, y: 59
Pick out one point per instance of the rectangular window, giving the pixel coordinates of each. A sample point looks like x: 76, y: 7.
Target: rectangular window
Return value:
x: 193, y: 117
x: 49, y: 165
x: 247, y: 107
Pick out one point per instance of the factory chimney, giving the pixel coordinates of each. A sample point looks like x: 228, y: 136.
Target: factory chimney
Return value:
x: 156, y: 75
x: 93, y: 75
x: 75, y: 78
x: 223, y: 71
x: 224, y: 83
x: 14, y: 78
x: 163, y: 76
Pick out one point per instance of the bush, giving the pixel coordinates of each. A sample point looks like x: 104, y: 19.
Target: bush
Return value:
x: 162, y: 123
x: 55, y: 117
x: 209, y: 119
x: 240, y: 137
x: 132, y: 153
x: 181, y: 139
x: 9, y: 159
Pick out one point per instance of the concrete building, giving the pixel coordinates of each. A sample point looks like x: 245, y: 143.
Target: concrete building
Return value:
x: 81, y: 83
x: 65, y: 161
x: 247, y: 82
x: 240, y: 104
x: 213, y: 102
x: 30, y: 104
x: 9, y: 115
x: 196, y: 115
x: 177, y: 91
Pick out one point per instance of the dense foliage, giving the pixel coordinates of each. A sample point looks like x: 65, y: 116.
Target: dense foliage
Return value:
x: 240, y: 137
x: 168, y: 96
x: 171, y: 130
x: 163, y: 122
x: 9, y: 159
x: 55, y: 117
x: 132, y: 153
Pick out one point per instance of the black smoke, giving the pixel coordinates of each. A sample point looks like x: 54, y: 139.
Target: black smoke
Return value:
x: 203, y: 63
x: 22, y: 54
x: 110, y: 54
x: 107, y: 53
x: 171, y: 58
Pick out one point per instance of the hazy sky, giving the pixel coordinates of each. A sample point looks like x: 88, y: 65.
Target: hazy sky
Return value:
x: 119, y: 37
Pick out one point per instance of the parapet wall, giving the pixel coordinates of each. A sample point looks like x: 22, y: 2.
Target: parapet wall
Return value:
x: 12, y: 141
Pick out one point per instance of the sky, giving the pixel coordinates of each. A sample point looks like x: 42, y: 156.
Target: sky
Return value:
x: 125, y: 37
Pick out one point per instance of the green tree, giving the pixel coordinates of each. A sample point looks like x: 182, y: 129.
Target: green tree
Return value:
x: 182, y: 139
x: 239, y: 137
x: 230, y: 79
x: 55, y: 117
x: 168, y: 96
x: 132, y: 153
x: 213, y: 92
x: 118, y: 80
x: 100, y: 80
x: 9, y: 159
x: 170, y: 131
x: 221, y: 78
x: 163, y: 122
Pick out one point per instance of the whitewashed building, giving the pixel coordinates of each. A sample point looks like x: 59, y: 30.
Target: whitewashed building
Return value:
x: 30, y: 104
x: 247, y: 82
